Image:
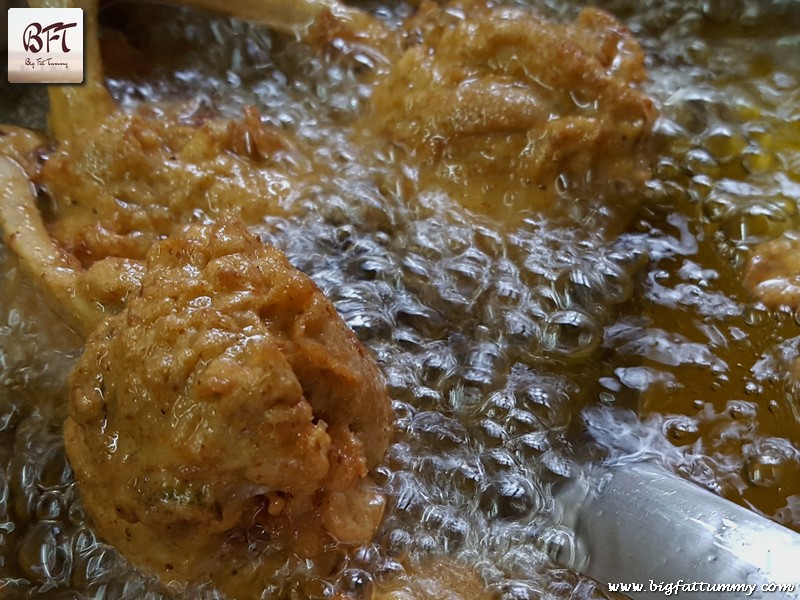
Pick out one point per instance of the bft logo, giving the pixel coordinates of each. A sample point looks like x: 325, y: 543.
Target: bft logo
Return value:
x: 32, y: 37
x: 45, y: 45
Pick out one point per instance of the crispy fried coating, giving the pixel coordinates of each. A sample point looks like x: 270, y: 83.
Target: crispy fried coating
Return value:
x: 497, y: 104
x: 227, y: 398
x: 126, y: 183
x: 773, y: 272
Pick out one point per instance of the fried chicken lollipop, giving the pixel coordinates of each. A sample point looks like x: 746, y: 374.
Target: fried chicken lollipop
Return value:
x: 500, y: 107
x: 227, y: 398
x: 118, y: 180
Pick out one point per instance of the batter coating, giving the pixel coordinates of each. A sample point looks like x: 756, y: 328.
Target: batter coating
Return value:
x: 227, y: 397
x: 500, y: 107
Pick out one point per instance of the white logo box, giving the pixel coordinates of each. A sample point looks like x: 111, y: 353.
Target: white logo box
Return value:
x: 45, y: 45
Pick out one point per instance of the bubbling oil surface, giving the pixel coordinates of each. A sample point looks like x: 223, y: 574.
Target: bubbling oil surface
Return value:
x: 513, y: 355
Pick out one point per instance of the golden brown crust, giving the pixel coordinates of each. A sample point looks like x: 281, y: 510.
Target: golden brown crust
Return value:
x: 497, y: 103
x: 126, y: 184
x: 227, y: 395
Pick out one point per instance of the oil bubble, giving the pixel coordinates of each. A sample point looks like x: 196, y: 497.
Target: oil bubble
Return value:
x: 570, y: 334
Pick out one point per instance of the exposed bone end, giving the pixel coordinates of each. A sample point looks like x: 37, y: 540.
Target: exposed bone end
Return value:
x: 76, y: 108
x: 81, y: 298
